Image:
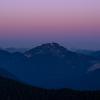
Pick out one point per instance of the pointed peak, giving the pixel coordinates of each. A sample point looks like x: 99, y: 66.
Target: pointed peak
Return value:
x: 48, y: 48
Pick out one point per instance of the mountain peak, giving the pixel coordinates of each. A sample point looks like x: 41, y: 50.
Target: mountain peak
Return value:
x: 53, y: 44
x: 48, y: 48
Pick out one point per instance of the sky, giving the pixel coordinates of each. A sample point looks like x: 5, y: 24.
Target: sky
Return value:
x: 72, y: 23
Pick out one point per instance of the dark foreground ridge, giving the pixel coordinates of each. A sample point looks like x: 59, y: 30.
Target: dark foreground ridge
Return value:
x: 13, y: 90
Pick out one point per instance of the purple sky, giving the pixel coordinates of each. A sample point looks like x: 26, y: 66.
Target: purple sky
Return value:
x: 73, y: 23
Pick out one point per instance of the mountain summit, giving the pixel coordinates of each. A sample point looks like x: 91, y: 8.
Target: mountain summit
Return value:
x: 53, y: 49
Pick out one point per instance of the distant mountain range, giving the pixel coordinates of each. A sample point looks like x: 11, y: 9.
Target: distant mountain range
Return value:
x: 53, y: 66
x: 12, y: 50
x: 89, y: 52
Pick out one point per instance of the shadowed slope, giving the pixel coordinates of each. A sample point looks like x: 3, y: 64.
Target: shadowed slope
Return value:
x: 13, y: 90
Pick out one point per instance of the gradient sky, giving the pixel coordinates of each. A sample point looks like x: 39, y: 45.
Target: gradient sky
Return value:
x: 73, y: 23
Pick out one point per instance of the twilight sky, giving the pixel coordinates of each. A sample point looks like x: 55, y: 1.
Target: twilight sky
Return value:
x: 73, y: 23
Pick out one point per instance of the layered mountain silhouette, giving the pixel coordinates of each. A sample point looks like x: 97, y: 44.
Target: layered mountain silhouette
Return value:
x: 93, y: 53
x: 52, y: 66
x: 14, y: 90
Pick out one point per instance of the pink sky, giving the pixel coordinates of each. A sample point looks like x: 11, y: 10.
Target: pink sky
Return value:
x: 49, y: 19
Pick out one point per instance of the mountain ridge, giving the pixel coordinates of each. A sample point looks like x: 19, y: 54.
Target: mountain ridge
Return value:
x: 50, y: 66
x: 15, y: 90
